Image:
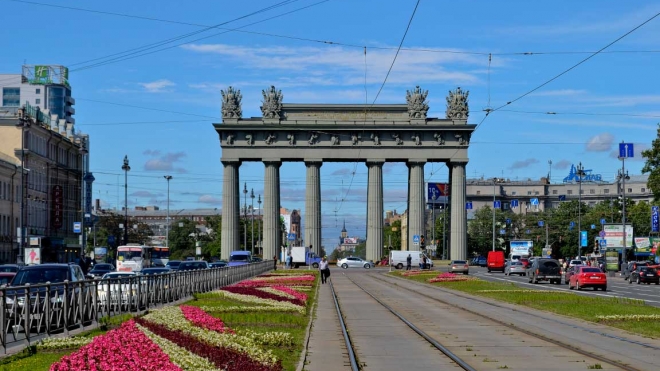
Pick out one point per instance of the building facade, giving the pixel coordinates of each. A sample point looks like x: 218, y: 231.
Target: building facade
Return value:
x: 9, y: 205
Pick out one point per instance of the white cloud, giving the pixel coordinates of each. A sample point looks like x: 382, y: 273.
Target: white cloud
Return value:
x: 158, y: 86
x: 600, y: 143
x: 559, y: 93
x: 562, y: 164
x: 208, y: 199
x: 165, y: 162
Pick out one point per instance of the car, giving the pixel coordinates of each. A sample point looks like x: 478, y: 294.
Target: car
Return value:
x: 482, y: 261
x: 117, y: 283
x: 219, y: 264
x: 173, y: 264
x: 644, y: 274
x: 11, y: 268
x: 99, y: 270
x: 514, y: 267
x: 239, y: 257
x: 588, y: 277
x: 6, y: 277
x: 544, y: 269
x: 459, y: 266
x: 256, y: 259
x: 157, y: 270
x: 354, y: 262
x: 192, y: 265
x: 570, y: 272
x: 575, y: 262
x: 631, y: 266
x: 525, y: 262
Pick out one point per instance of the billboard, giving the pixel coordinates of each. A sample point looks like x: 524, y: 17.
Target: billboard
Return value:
x: 614, y: 236
x: 100, y: 253
x: 612, y: 260
x: 522, y: 247
x: 643, y: 245
x: 32, y: 255
x: 350, y: 241
x: 439, y: 190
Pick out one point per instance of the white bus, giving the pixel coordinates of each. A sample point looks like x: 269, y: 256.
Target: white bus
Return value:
x: 132, y: 258
x: 160, y: 256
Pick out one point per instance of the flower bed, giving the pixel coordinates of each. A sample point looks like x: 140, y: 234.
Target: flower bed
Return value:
x: 449, y: 277
x: 200, y: 318
x: 62, y: 343
x: 416, y: 273
x: 251, y: 291
x: 629, y: 317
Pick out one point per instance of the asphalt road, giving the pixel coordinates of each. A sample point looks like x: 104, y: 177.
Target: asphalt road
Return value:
x: 616, y: 286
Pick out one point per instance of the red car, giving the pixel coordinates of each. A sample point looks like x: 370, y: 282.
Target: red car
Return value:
x: 525, y: 262
x: 588, y: 277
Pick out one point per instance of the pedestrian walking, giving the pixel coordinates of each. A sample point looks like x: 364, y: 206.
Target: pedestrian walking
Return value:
x: 409, y: 262
x: 424, y: 262
x: 324, y: 268
x: 275, y: 262
x: 287, y: 262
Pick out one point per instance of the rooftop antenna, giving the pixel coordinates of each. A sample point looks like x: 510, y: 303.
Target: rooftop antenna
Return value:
x: 549, y: 170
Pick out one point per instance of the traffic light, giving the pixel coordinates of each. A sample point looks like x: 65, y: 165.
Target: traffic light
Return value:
x: 422, y: 242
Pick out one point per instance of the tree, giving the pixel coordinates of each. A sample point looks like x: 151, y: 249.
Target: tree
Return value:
x: 392, y: 234
x: 182, y: 239
x: 652, y: 166
x: 213, y: 246
x: 108, y: 225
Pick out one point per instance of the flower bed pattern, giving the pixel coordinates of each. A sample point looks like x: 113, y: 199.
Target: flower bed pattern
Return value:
x: 200, y: 318
x: 251, y: 291
x: 449, y: 277
x: 416, y: 273
x: 62, y: 343
x: 123, y: 349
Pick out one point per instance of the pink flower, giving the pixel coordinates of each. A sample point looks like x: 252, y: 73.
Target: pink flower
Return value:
x: 292, y: 292
x: 125, y: 348
x: 202, y: 319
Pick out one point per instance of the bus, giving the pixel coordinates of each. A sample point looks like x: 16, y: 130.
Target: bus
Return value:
x: 132, y: 258
x: 160, y: 256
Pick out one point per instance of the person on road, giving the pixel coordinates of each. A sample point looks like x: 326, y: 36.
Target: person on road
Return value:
x: 288, y: 261
x: 424, y: 262
x: 274, y: 262
x: 409, y: 262
x: 324, y: 269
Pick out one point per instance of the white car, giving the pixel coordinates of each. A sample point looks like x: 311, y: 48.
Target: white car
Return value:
x: 114, y: 283
x: 354, y: 262
x: 575, y: 262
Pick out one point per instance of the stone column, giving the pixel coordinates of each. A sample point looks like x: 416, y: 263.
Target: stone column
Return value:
x: 313, y: 206
x: 230, y: 208
x: 271, y: 217
x: 449, y: 208
x: 458, y: 213
x: 415, y: 203
x: 375, y: 210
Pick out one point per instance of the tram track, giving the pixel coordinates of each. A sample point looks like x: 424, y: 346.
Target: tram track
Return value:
x: 391, y: 282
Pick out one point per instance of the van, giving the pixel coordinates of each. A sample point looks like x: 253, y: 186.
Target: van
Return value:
x: 495, y: 261
x: 398, y: 258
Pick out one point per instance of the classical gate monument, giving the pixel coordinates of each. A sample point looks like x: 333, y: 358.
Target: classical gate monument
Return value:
x: 316, y: 133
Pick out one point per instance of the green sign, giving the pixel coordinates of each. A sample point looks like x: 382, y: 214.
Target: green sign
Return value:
x: 41, y: 74
x: 612, y: 260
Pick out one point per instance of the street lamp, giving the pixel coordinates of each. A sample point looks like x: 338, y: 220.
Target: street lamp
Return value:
x: 245, y: 192
x: 433, y: 218
x: 83, y: 153
x: 580, y: 173
x: 23, y: 123
x: 495, y: 181
x: 167, y: 222
x: 126, y: 169
x: 623, y: 176
x: 261, y: 220
x: 252, y: 219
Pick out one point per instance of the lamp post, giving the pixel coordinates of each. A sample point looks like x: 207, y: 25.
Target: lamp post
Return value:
x: 23, y: 123
x: 623, y: 176
x: 580, y: 173
x: 444, y: 228
x: 83, y: 153
x: 495, y: 181
x: 433, y: 218
x: 261, y: 220
x: 126, y: 169
x: 252, y: 219
x: 245, y: 192
x: 167, y: 220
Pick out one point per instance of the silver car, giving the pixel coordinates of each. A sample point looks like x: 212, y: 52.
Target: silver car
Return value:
x: 514, y: 267
x: 459, y: 266
x: 353, y: 262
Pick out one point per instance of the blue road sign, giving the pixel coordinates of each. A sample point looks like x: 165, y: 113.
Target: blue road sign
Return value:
x: 655, y: 219
x: 497, y: 204
x: 541, y: 223
x: 562, y: 197
x: 603, y: 243
x: 593, y: 226
x: 626, y: 150
x: 291, y: 237
x: 603, y: 221
x: 534, y: 201
x: 111, y: 240
x: 468, y: 205
x: 514, y: 203
x: 572, y: 224
x: 502, y: 231
x: 601, y: 234
x: 528, y: 231
x: 583, y: 238
x: 508, y: 221
x: 77, y: 228
x: 416, y: 239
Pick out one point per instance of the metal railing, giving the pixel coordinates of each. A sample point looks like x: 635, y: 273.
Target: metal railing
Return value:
x: 32, y: 312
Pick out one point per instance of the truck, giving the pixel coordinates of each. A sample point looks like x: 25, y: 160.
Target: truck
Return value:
x: 398, y: 258
x: 302, y: 255
x: 240, y: 257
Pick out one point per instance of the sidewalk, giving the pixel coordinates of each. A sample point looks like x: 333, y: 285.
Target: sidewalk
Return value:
x: 326, y: 349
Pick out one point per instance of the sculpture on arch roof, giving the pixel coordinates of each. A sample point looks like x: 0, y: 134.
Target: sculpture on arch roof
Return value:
x: 457, y: 104
x: 231, y: 103
x: 272, y: 103
x: 417, y: 104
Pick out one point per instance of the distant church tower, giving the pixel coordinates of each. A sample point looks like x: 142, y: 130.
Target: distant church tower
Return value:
x: 344, y: 233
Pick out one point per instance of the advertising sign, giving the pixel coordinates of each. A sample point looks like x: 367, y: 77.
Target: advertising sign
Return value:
x: 100, y: 253
x: 583, y: 238
x: 612, y: 260
x: 57, y: 207
x: 439, y: 190
x: 614, y: 235
x: 350, y: 241
x: 32, y: 255
x: 522, y: 247
x: 642, y: 245
x: 587, y: 176
x: 655, y: 218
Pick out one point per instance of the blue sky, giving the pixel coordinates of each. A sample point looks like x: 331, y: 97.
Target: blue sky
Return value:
x: 610, y: 98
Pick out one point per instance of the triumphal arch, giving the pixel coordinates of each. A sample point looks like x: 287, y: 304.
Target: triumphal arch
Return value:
x: 317, y: 133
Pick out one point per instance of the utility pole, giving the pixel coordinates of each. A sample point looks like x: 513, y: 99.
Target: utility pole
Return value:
x: 126, y: 169
x: 580, y: 174
x: 167, y: 221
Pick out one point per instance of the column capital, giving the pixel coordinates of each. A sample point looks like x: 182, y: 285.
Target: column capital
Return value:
x: 410, y: 163
x: 375, y: 161
x: 313, y: 161
x: 457, y: 161
x: 272, y: 162
x: 229, y: 162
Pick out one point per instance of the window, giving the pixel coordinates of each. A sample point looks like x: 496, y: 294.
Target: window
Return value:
x: 11, y: 97
x: 536, y: 193
x: 643, y: 190
x: 554, y: 191
x: 529, y: 193
x: 569, y: 192
x: 606, y: 190
x: 582, y: 191
x: 478, y: 192
x: 37, y: 91
x: 592, y: 191
x: 513, y: 193
x: 629, y: 190
x: 37, y: 101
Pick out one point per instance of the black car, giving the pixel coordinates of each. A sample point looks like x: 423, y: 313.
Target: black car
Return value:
x: 9, y: 268
x: 219, y: 264
x: 644, y: 274
x: 173, y: 264
x: 193, y: 265
x: 150, y: 271
x: 256, y: 259
x: 631, y: 267
x: 100, y: 269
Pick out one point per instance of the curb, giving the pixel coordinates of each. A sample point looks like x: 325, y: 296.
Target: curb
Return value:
x: 308, y: 332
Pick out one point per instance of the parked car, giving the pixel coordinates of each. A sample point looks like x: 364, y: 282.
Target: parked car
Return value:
x: 6, y: 277
x: 544, y: 269
x: 459, y: 266
x: 354, y: 262
x: 220, y: 264
x: 100, y: 269
x: 644, y: 274
x: 495, y: 261
x: 192, y: 265
x: 173, y: 264
x: 588, y: 277
x: 514, y: 267
x: 11, y: 268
